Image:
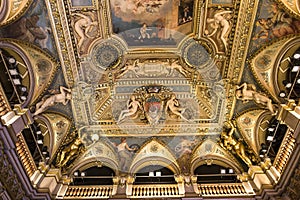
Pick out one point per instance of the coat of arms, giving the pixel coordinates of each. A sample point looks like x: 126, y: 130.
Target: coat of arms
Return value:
x: 152, y: 103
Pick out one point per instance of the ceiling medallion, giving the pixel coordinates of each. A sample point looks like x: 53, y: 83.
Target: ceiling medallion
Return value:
x: 196, y: 54
x: 107, y: 54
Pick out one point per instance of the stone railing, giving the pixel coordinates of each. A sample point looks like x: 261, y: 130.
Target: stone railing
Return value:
x: 141, y: 191
x: 230, y: 189
x: 88, y: 192
x: 25, y: 156
x: 285, y: 152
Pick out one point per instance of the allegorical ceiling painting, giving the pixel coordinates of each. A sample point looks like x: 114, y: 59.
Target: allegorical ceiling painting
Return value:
x: 142, y: 22
x: 272, y: 23
x: 34, y: 27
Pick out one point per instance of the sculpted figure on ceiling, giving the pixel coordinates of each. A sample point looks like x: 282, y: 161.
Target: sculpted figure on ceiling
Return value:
x: 132, y: 107
x: 49, y: 100
x: 230, y: 143
x: 69, y: 152
x: 151, y: 68
x: 153, y: 104
x: 219, y: 26
x: 175, y: 65
x: 247, y: 92
x: 173, y: 106
x: 129, y: 67
x: 83, y: 27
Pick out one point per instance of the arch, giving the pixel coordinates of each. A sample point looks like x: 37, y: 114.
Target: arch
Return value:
x: 282, y: 61
x: 264, y: 66
x: 4, y: 10
x: 154, y: 153
x: 98, y: 153
x: 92, y: 174
x: 58, y: 126
x: 210, y: 152
x: 248, y: 124
x: 9, y: 12
x: 41, y: 71
x: 25, y: 61
x: 93, y: 162
x: 261, y: 126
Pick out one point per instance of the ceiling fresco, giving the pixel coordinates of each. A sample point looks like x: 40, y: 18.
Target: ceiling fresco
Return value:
x: 272, y: 23
x: 152, y: 22
x: 173, y: 83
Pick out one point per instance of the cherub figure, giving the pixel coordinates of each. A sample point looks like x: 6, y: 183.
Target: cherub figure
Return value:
x: 132, y: 107
x: 173, y: 105
x: 248, y: 92
x: 63, y: 97
x: 128, y: 67
x: 175, y: 65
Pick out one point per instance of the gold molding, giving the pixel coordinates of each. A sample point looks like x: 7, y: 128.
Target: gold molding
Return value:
x: 292, y: 8
x: 14, y: 10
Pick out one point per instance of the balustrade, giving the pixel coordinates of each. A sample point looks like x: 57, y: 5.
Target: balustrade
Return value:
x: 285, y: 152
x: 233, y: 189
x: 25, y: 156
x: 88, y: 192
x: 170, y: 190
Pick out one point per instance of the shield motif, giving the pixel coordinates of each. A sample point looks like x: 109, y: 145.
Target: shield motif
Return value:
x: 153, y: 108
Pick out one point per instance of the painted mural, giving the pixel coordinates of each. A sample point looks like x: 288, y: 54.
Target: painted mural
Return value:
x: 152, y: 22
x: 272, y: 23
x: 33, y: 27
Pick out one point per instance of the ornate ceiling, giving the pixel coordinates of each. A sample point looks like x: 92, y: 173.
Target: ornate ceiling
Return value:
x: 128, y: 84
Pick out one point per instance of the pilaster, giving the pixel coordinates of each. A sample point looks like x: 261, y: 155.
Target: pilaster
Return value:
x: 260, y: 179
x: 16, y: 120
x: 129, y: 184
x: 180, y: 182
x: 289, y: 114
x: 272, y: 173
